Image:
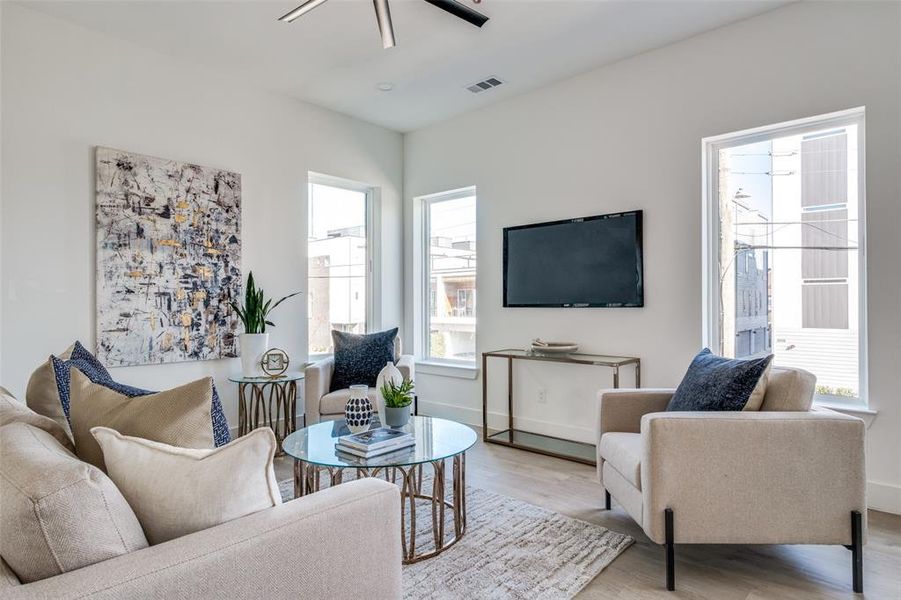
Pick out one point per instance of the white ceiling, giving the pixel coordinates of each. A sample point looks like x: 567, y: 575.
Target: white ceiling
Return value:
x: 333, y: 56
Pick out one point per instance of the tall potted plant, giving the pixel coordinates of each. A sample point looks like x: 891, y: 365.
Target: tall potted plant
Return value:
x: 255, y: 317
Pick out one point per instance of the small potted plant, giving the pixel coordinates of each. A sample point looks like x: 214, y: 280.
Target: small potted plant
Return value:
x: 398, y: 399
x: 255, y: 317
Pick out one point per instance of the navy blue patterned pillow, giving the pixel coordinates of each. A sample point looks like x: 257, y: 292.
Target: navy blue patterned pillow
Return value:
x: 359, y: 358
x: 716, y: 383
x: 88, y: 364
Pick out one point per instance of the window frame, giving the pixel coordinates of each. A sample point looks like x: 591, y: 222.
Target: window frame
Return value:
x: 422, y: 267
x: 373, y: 248
x: 710, y: 225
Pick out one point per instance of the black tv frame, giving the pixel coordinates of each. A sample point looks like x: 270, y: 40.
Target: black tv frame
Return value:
x: 639, y: 214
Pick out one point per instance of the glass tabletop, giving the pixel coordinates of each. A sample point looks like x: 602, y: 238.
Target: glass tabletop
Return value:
x: 573, y: 357
x: 284, y: 377
x: 436, y: 439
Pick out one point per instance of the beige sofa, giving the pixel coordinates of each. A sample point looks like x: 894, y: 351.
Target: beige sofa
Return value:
x: 321, y: 404
x: 786, y: 474
x: 343, y: 542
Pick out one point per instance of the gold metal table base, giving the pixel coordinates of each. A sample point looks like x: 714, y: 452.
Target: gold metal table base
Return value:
x: 268, y: 403
x: 307, y: 478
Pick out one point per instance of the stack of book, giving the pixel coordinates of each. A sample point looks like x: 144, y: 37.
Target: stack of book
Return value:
x: 375, y: 442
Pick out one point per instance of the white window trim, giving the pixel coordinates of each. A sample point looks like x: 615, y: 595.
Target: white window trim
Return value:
x: 373, y: 247
x: 710, y: 224
x: 435, y: 366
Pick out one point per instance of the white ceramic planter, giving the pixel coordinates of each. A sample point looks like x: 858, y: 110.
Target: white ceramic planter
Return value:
x: 389, y: 373
x: 253, y: 347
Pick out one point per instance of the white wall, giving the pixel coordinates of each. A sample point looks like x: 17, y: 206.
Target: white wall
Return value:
x: 66, y: 90
x: 628, y: 136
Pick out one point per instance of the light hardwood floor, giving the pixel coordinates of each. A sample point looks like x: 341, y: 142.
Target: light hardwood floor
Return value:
x: 702, y: 572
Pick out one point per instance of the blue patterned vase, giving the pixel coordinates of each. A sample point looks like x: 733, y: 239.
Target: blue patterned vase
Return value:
x: 358, y: 410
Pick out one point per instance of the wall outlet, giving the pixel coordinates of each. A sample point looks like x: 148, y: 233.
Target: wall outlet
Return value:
x: 542, y: 396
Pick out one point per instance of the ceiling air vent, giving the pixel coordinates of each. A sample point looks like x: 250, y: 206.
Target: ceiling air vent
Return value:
x: 482, y: 86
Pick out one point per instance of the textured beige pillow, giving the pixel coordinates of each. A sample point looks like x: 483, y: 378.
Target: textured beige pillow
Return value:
x: 13, y: 411
x: 58, y: 513
x: 42, y: 395
x: 180, y: 416
x: 755, y: 401
x: 177, y: 491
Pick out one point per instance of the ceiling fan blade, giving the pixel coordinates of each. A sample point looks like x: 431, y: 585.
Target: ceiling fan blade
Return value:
x: 300, y: 10
x: 386, y: 28
x: 460, y: 10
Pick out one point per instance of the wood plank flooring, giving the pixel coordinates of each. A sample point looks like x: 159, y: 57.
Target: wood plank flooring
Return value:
x: 702, y: 572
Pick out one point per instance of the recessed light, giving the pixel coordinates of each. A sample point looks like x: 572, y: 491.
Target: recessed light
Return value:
x: 385, y: 86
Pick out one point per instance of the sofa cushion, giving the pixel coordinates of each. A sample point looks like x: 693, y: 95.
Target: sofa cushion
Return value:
x: 333, y: 403
x: 59, y: 513
x: 176, y: 491
x: 8, y: 579
x: 180, y: 416
x: 88, y: 364
x: 360, y: 358
x: 721, y: 384
x: 13, y: 411
x: 42, y: 393
x: 623, y: 452
x: 789, y: 390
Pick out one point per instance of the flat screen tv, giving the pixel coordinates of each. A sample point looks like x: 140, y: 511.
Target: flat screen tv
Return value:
x: 591, y: 261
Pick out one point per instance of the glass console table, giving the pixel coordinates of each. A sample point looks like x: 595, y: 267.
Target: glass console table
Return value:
x: 536, y: 442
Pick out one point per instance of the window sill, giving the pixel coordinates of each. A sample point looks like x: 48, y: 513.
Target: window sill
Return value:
x: 446, y: 369
x: 855, y: 410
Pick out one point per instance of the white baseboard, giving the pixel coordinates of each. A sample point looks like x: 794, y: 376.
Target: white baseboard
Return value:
x: 884, y: 496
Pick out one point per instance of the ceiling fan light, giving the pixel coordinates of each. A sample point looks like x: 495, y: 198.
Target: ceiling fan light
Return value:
x: 300, y: 10
x: 386, y: 28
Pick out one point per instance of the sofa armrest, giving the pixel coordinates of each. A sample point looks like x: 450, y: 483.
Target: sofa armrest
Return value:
x: 622, y: 409
x: 753, y: 477
x: 407, y: 366
x: 343, y: 542
x: 317, y: 381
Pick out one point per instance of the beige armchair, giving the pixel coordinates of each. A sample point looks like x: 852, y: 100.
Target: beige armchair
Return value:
x: 320, y: 404
x: 786, y: 474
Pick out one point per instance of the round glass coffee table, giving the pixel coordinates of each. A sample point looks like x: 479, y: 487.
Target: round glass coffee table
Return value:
x: 437, y: 440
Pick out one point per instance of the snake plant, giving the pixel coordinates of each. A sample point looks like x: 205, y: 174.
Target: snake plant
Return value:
x: 255, y: 313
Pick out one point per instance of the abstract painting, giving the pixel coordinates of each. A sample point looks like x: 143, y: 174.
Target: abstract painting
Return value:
x: 168, y: 260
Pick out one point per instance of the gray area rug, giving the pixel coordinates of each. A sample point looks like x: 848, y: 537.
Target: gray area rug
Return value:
x: 511, y: 550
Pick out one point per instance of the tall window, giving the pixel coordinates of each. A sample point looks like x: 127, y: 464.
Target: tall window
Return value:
x: 338, y: 251
x: 449, y: 277
x: 784, y: 249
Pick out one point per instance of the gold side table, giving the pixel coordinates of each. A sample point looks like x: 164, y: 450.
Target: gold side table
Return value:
x: 268, y: 402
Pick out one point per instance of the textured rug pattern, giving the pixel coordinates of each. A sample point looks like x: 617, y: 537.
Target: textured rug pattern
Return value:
x: 511, y: 550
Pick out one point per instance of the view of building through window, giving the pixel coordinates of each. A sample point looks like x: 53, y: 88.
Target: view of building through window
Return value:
x: 788, y: 259
x: 451, y: 264
x: 338, y: 258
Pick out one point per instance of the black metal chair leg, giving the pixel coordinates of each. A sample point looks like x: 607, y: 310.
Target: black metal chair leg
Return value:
x: 606, y: 500
x: 857, y: 551
x: 670, y: 551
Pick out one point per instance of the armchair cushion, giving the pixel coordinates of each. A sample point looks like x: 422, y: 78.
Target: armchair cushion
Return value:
x: 623, y: 452
x: 789, y: 390
x: 333, y: 403
x: 717, y: 383
x: 359, y: 358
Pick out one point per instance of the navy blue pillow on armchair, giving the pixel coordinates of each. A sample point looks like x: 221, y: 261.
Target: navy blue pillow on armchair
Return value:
x: 359, y: 358
x: 717, y: 383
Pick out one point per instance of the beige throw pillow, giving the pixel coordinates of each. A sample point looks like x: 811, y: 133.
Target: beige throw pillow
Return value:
x: 42, y: 395
x: 177, y: 491
x: 57, y: 513
x: 755, y: 401
x: 180, y: 416
x: 13, y: 411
